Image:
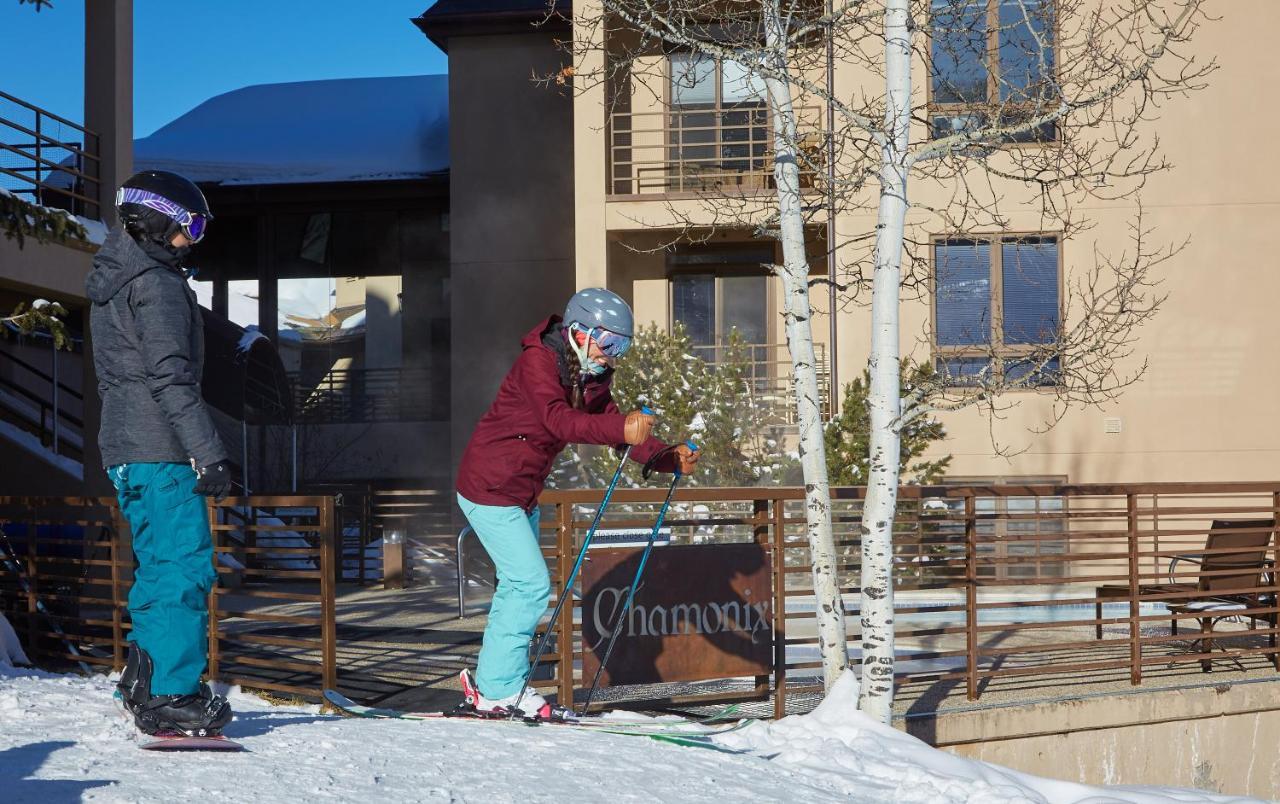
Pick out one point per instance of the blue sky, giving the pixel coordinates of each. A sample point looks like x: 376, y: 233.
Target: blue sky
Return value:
x: 187, y: 52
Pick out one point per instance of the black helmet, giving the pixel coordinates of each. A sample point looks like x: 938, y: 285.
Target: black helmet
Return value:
x: 157, y: 204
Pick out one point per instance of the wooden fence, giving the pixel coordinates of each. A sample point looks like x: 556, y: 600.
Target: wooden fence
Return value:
x: 1052, y: 585
x: 1065, y: 584
x: 275, y: 559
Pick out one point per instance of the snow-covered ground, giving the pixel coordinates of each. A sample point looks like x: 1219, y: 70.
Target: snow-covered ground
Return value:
x: 61, y: 739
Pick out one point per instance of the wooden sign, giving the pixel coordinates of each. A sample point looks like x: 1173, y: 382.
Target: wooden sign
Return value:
x: 702, y: 612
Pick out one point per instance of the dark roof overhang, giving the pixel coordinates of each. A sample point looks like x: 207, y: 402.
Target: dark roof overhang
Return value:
x: 450, y: 18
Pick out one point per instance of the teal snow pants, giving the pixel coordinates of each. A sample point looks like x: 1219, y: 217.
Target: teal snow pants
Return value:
x: 174, y: 553
x: 510, y: 536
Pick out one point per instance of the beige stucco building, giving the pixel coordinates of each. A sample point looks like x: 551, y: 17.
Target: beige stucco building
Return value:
x: 1202, y: 409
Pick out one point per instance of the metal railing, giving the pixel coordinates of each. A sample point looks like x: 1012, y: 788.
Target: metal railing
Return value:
x: 767, y: 373
x: 1070, y: 584
x: 39, y: 402
x: 343, y: 396
x: 712, y: 149
x: 49, y: 159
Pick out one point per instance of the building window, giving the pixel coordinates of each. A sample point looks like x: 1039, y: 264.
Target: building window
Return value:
x: 996, y: 306
x: 713, y: 306
x: 991, y: 61
x: 719, y: 124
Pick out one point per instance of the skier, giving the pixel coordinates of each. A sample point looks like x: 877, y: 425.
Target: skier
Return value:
x: 556, y: 393
x: 159, y: 446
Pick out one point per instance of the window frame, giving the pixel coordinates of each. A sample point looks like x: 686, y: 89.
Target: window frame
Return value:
x: 677, y: 181
x: 995, y: 346
x: 718, y: 273
x: 935, y: 107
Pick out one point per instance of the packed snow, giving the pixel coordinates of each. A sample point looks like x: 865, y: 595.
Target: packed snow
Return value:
x: 62, y: 739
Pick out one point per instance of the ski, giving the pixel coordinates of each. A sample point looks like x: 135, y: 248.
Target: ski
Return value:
x: 678, y: 730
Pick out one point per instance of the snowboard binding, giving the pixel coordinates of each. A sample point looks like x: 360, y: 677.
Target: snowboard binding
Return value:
x: 198, y: 714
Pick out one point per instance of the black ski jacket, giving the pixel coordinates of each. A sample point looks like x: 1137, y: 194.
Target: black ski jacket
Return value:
x: 148, y: 351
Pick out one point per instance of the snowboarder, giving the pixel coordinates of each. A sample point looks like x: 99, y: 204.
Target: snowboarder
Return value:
x: 159, y: 446
x: 556, y: 393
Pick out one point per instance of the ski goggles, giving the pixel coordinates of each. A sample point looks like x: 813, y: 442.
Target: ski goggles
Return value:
x: 610, y: 343
x: 193, y: 223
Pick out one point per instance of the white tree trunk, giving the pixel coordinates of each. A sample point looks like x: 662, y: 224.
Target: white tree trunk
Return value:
x: 829, y: 608
x: 876, y: 697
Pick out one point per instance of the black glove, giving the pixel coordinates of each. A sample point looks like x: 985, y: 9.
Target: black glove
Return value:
x: 214, y: 480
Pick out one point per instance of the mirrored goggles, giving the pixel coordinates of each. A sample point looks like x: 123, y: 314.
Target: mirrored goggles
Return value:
x: 193, y: 224
x: 611, y: 343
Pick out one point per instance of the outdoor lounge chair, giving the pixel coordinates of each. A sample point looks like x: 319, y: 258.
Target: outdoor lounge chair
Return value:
x: 1235, y: 568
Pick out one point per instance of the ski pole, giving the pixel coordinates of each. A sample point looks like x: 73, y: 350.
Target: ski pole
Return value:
x: 567, y: 592
x: 10, y: 560
x: 635, y: 584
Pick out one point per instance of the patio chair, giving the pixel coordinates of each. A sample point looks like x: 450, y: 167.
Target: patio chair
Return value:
x: 1234, y: 571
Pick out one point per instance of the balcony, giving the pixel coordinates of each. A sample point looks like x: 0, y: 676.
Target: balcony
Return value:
x: 768, y: 376
x: 705, y: 148
x: 47, y: 159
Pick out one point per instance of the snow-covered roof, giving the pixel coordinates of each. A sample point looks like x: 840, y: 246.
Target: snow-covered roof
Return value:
x: 349, y: 129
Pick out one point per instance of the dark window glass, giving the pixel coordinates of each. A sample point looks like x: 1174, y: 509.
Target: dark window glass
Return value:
x: 694, y: 306
x: 959, y: 47
x: 963, y: 370
x: 1026, y: 49
x: 963, y: 302
x: 1029, y: 273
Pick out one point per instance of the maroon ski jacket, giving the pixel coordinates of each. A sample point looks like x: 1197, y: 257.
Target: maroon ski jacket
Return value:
x: 532, y: 419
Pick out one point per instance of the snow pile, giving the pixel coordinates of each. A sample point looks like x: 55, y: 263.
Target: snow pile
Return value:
x: 869, y: 761
x: 10, y: 651
x: 62, y: 739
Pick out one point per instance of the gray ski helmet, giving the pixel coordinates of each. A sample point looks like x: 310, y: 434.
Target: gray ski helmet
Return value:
x: 597, y: 307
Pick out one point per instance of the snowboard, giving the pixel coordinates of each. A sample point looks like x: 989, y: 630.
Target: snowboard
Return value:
x: 181, y: 742
x: 695, y: 733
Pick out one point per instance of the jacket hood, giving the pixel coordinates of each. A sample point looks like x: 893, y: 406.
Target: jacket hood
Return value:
x: 117, y: 263
x: 533, y: 337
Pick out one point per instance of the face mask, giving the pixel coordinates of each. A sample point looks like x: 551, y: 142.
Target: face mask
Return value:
x: 588, y: 366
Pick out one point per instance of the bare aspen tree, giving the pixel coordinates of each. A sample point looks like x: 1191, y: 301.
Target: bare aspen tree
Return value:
x: 991, y: 111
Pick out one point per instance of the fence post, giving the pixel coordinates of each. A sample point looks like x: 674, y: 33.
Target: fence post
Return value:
x: 779, y: 607
x: 33, y: 580
x: 212, y: 513
x: 1135, y: 635
x: 328, y: 609
x: 971, y: 596
x: 564, y: 636
x: 40, y: 199
x: 1275, y: 577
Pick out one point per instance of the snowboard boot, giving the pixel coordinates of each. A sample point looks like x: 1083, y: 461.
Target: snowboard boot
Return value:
x: 198, y: 714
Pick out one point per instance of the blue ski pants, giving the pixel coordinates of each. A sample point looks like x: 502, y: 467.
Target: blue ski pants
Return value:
x: 510, y: 536
x: 174, y: 551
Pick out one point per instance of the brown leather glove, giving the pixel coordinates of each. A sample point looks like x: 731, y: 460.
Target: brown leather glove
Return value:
x: 638, y: 428
x: 687, y: 459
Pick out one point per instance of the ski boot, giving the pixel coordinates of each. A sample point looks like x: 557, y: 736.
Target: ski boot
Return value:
x: 198, y: 714
x: 533, y: 707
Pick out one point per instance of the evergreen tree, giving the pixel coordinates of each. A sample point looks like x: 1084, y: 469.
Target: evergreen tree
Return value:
x: 848, y: 435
